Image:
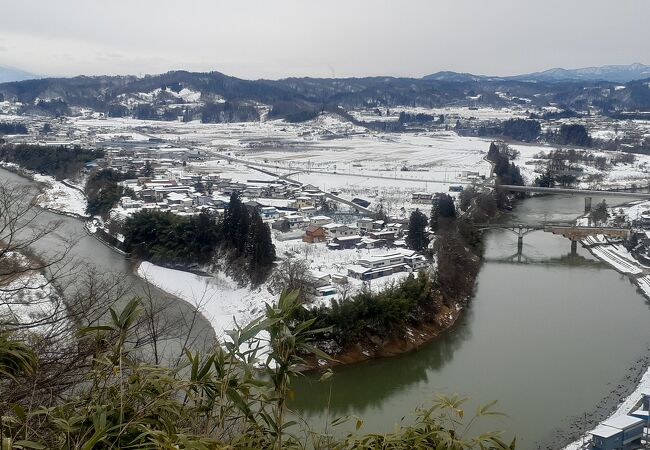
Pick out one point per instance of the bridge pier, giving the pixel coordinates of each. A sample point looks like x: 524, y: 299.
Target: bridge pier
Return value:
x: 574, y: 247
x: 587, y: 204
x: 520, y: 244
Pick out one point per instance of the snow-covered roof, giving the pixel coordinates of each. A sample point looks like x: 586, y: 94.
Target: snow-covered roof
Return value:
x: 605, y: 431
x: 622, y: 422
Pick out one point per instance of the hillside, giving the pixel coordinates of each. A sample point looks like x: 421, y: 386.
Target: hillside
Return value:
x: 216, y: 97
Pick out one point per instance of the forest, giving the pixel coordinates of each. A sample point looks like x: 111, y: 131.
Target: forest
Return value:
x: 60, y: 162
x: 169, y: 239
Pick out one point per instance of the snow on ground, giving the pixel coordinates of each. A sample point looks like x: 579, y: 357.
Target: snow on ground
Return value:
x: 27, y: 298
x: 618, y: 257
x: 625, y: 407
x: 60, y: 197
x: 218, y: 297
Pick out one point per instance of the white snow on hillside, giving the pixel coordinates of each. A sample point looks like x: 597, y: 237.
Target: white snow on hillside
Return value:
x: 218, y: 297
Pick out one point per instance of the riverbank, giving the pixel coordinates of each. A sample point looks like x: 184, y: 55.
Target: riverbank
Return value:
x: 412, y: 338
x: 627, y: 393
x: 58, y: 197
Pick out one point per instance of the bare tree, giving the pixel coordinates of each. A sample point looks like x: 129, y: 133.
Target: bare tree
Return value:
x: 293, y: 274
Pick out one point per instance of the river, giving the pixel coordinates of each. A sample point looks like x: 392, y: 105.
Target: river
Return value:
x: 548, y: 337
x: 88, y: 252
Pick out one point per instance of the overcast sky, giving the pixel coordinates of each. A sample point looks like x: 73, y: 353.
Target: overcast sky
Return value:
x: 281, y: 38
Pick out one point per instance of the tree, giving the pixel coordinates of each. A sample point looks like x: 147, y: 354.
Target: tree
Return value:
x: 293, y: 274
x: 260, y: 250
x: 416, y: 238
x: 573, y: 134
x: 599, y: 214
x: 466, y: 196
x: 545, y: 180
x: 442, y: 211
x: 235, y: 224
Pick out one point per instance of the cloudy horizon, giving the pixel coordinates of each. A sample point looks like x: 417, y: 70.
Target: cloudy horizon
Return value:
x: 284, y: 38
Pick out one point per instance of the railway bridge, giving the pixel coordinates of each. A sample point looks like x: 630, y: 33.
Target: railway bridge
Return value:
x: 570, y: 231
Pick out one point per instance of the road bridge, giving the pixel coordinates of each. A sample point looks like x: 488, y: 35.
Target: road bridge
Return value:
x: 570, y: 231
x: 588, y: 193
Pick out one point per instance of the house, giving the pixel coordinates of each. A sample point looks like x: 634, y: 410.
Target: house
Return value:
x: 344, y: 242
x: 320, y: 220
x: 339, y: 278
x: 314, y: 234
x: 396, y: 228
x: 281, y: 225
x: 296, y: 221
x: 368, y: 242
x: 617, y: 433
x: 384, y: 235
x: 308, y: 211
x: 421, y: 197
x: 365, y: 224
x: 334, y: 230
x: 302, y: 202
x: 366, y: 273
x: 319, y: 279
x: 269, y: 212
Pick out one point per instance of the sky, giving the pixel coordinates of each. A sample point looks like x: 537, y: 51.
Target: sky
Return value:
x: 325, y: 38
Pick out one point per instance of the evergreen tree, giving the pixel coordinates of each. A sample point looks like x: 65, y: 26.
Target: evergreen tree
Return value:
x: 259, y: 246
x: 434, y: 219
x: 235, y: 224
x: 442, y: 210
x: 417, y: 239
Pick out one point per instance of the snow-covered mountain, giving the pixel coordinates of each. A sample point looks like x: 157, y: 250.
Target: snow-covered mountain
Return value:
x: 8, y: 74
x: 613, y: 73
x: 616, y: 73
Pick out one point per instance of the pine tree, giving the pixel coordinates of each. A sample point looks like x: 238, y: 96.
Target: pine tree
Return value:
x: 416, y: 239
x: 235, y: 224
x: 259, y: 246
x: 434, y: 219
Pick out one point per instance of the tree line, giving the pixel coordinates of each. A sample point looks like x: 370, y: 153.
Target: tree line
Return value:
x: 12, y: 128
x: 104, y: 192
x: 61, y: 162
x: 506, y: 171
x: 170, y: 239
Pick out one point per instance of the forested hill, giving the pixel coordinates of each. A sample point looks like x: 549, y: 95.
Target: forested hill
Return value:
x: 219, y: 97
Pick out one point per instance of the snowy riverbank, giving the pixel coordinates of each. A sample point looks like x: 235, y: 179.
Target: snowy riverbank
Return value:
x: 217, y: 297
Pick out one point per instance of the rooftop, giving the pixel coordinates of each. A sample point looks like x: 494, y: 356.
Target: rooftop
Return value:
x: 604, y: 431
x: 622, y: 422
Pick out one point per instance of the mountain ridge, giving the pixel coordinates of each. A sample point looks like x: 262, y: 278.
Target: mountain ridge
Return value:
x: 620, y: 73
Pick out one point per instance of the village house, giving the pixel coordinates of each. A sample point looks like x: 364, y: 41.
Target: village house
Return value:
x: 395, y: 228
x: 319, y: 279
x: 314, y: 234
x: 296, y: 221
x: 302, y: 202
x: 334, y: 230
x: 320, y: 220
x: 344, y: 242
x: 421, y: 197
x: 269, y: 212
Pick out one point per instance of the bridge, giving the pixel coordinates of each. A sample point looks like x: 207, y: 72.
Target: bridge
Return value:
x: 570, y: 231
x: 588, y: 193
